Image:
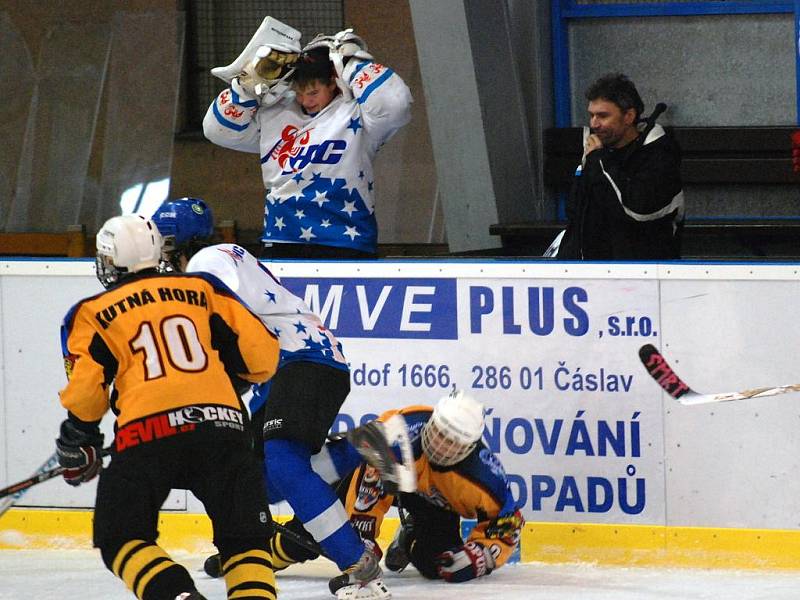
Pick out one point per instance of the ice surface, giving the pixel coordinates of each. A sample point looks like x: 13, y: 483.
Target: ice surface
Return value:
x: 80, y: 575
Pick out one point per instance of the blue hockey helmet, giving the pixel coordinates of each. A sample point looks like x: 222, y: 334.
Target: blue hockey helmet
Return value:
x: 186, y: 224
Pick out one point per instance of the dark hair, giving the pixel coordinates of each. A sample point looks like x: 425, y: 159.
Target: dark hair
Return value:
x: 616, y: 88
x: 312, y: 66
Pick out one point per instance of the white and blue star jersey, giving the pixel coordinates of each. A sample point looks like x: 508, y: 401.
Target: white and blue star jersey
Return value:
x: 317, y: 169
x: 300, y: 332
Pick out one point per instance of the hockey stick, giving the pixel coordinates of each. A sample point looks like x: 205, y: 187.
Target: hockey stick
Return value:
x: 650, y: 121
x: 213, y: 564
x: 11, y: 494
x: 23, y: 485
x: 307, y: 543
x: 659, y: 369
x: 375, y: 442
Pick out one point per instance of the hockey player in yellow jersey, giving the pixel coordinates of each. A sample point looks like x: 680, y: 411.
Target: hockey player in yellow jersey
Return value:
x: 457, y: 476
x: 176, y: 349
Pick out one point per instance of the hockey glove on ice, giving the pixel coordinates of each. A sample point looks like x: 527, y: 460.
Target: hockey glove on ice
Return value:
x: 80, y: 452
x: 467, y: 562
x: 506, y: 528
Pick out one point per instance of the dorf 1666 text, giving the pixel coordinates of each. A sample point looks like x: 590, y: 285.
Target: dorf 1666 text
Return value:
x: 528, y: 378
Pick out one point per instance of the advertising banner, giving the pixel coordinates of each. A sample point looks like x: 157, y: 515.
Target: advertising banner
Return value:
x: 550, y: 349
x: 572, y: 415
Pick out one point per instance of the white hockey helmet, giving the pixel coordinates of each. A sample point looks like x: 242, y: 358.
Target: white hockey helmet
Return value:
x: 453, y: 430
x: 126, y: 245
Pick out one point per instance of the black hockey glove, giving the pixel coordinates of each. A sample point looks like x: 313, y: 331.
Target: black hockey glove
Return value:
x: 80, y: 452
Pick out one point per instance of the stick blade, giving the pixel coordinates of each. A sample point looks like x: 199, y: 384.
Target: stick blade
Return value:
x: 387, y: 447
x: 405, y: 468
x: 11, y: 494
x: 659, y: 369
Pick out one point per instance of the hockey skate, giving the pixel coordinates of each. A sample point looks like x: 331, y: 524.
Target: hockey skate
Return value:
x: 190, y: 596
x: 375, y: 441
x: 397, y: 558
x: 213, y: 566
x: 361, y: 581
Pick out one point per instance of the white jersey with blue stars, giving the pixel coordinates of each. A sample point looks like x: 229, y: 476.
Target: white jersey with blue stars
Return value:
x: 300, y: 332
x: 317, y: 169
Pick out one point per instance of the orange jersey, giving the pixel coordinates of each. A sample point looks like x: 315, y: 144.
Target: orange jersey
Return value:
x: 167, y: 342
x: 475, y: 488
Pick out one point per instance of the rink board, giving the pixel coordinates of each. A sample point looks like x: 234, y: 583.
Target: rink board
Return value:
x: 632, y: 545
x: 588, y: 440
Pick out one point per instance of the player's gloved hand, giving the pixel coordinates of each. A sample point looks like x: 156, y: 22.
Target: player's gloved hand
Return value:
x: 796, y: 151
x: 347, y: 44
x: 341, y: 47
x: 506, y: 527
x: 467, y: 562
x: 264, y: 77
x: 344, y: 44
x: 80, y: 452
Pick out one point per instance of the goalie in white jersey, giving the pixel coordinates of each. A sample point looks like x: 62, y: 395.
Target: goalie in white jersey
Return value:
x: 317, y: 120
x: 295, y: 412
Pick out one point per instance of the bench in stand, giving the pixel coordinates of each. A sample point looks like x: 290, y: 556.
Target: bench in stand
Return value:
x: 711, y: 156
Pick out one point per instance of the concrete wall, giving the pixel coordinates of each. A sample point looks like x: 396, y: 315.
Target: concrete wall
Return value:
x: 723, y: 70
x: 709, y: 70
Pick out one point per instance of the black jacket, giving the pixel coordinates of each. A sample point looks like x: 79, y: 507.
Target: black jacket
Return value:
x: 627, y: 203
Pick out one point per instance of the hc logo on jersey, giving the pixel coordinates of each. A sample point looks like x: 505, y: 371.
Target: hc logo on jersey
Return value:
x: 293, y: 153
x: 236, y: 253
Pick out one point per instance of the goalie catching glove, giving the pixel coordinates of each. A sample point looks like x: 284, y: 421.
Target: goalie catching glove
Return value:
x: 467, y: 562
x: 263, y: 68
x: 266, y: 76
x: 79, y: 452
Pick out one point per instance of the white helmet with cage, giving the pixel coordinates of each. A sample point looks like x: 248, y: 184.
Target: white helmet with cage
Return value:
x: 453, y: 430
x: 125, y: 245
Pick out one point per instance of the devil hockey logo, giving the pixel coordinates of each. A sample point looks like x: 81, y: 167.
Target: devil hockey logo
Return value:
x: 370, y: 490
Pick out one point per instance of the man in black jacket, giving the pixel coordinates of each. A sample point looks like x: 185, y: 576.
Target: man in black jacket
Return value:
x: 626, y: 201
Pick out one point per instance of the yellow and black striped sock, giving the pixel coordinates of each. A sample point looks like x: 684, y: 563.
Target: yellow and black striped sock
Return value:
x: 147, y: 570
x: 249, y: 576
x: 280, y: 557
